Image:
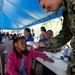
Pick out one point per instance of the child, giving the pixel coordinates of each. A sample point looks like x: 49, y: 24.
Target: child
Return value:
x: 19, y: 60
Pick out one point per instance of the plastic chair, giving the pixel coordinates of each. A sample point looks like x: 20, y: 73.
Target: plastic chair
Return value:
x: 3, y: 63
x: 5, y: 48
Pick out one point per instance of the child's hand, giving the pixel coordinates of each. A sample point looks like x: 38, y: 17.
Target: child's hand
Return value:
x: 49, y: 59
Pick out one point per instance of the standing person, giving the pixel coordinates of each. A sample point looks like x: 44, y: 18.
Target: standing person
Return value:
x: 32, y: 33
x: 68, y: 28
x: 19, y: 60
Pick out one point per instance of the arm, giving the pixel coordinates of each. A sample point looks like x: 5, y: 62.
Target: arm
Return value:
x: 11, y: 68
x: 35, y: 54
x: 64, y: 36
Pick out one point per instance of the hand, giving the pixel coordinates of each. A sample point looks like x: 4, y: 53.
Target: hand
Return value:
x: 29, y: 47
x: 49, y: 59
x: 34, y: 45
x: 57, y: 51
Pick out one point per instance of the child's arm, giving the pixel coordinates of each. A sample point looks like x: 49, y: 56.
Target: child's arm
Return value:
x: 11, y: 68
x: 35, y: 54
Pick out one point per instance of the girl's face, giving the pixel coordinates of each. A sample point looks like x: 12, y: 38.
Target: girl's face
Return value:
x: 20, y: 45
x: 26, y: 33
x: 49, y: 35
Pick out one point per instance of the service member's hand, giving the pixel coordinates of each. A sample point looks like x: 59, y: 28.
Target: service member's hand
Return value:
x: 34, y: 44
x: 56, y: 51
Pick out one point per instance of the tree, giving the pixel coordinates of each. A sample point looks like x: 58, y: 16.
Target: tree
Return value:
x: 55, y: 25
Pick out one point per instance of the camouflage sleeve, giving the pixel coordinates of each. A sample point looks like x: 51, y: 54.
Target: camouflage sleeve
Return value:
x: 64, y: 36
x: 72, y: 42
x: 68, y: 28
x: 71, y: 63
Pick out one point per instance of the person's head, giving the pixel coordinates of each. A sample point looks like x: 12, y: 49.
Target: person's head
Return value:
x: 19, y: 44
x: 32, y: 30
x: 27, y: 32
x: 49, y: 34
x: 50, y: 5
x: 43, y: 29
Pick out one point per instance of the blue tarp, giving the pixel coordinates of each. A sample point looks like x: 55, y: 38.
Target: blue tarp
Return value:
x: 18, y: 14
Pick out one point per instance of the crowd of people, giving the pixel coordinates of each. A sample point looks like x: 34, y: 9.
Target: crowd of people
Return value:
x: 19, y: 45
x: 20, y: 66
x: 28, y: 34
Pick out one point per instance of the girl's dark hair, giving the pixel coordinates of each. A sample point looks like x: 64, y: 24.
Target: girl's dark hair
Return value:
x: 25, y: 52
x: 43, y: 28
x: 28, y: 30
x: 17, y: 39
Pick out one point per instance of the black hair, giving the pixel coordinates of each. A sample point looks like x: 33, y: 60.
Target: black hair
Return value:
x: 50, y: 31
x: 43, y: 28
x: 17, y: 39
x: 28, y: 30
x: 39, y: 1
x: 25, y: 52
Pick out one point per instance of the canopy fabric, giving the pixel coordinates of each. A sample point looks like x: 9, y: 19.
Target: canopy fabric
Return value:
x: 18, y: 14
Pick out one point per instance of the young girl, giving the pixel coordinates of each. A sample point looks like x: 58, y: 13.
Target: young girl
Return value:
x: 19, y: 60
x: 27, y: 35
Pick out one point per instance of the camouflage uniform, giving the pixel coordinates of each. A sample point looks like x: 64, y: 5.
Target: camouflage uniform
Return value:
x: 66, y: 34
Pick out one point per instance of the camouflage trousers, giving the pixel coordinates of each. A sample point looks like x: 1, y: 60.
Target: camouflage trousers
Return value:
x: 71, y: 64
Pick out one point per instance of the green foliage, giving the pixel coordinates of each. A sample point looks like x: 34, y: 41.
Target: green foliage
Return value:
x: 55, y: 25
